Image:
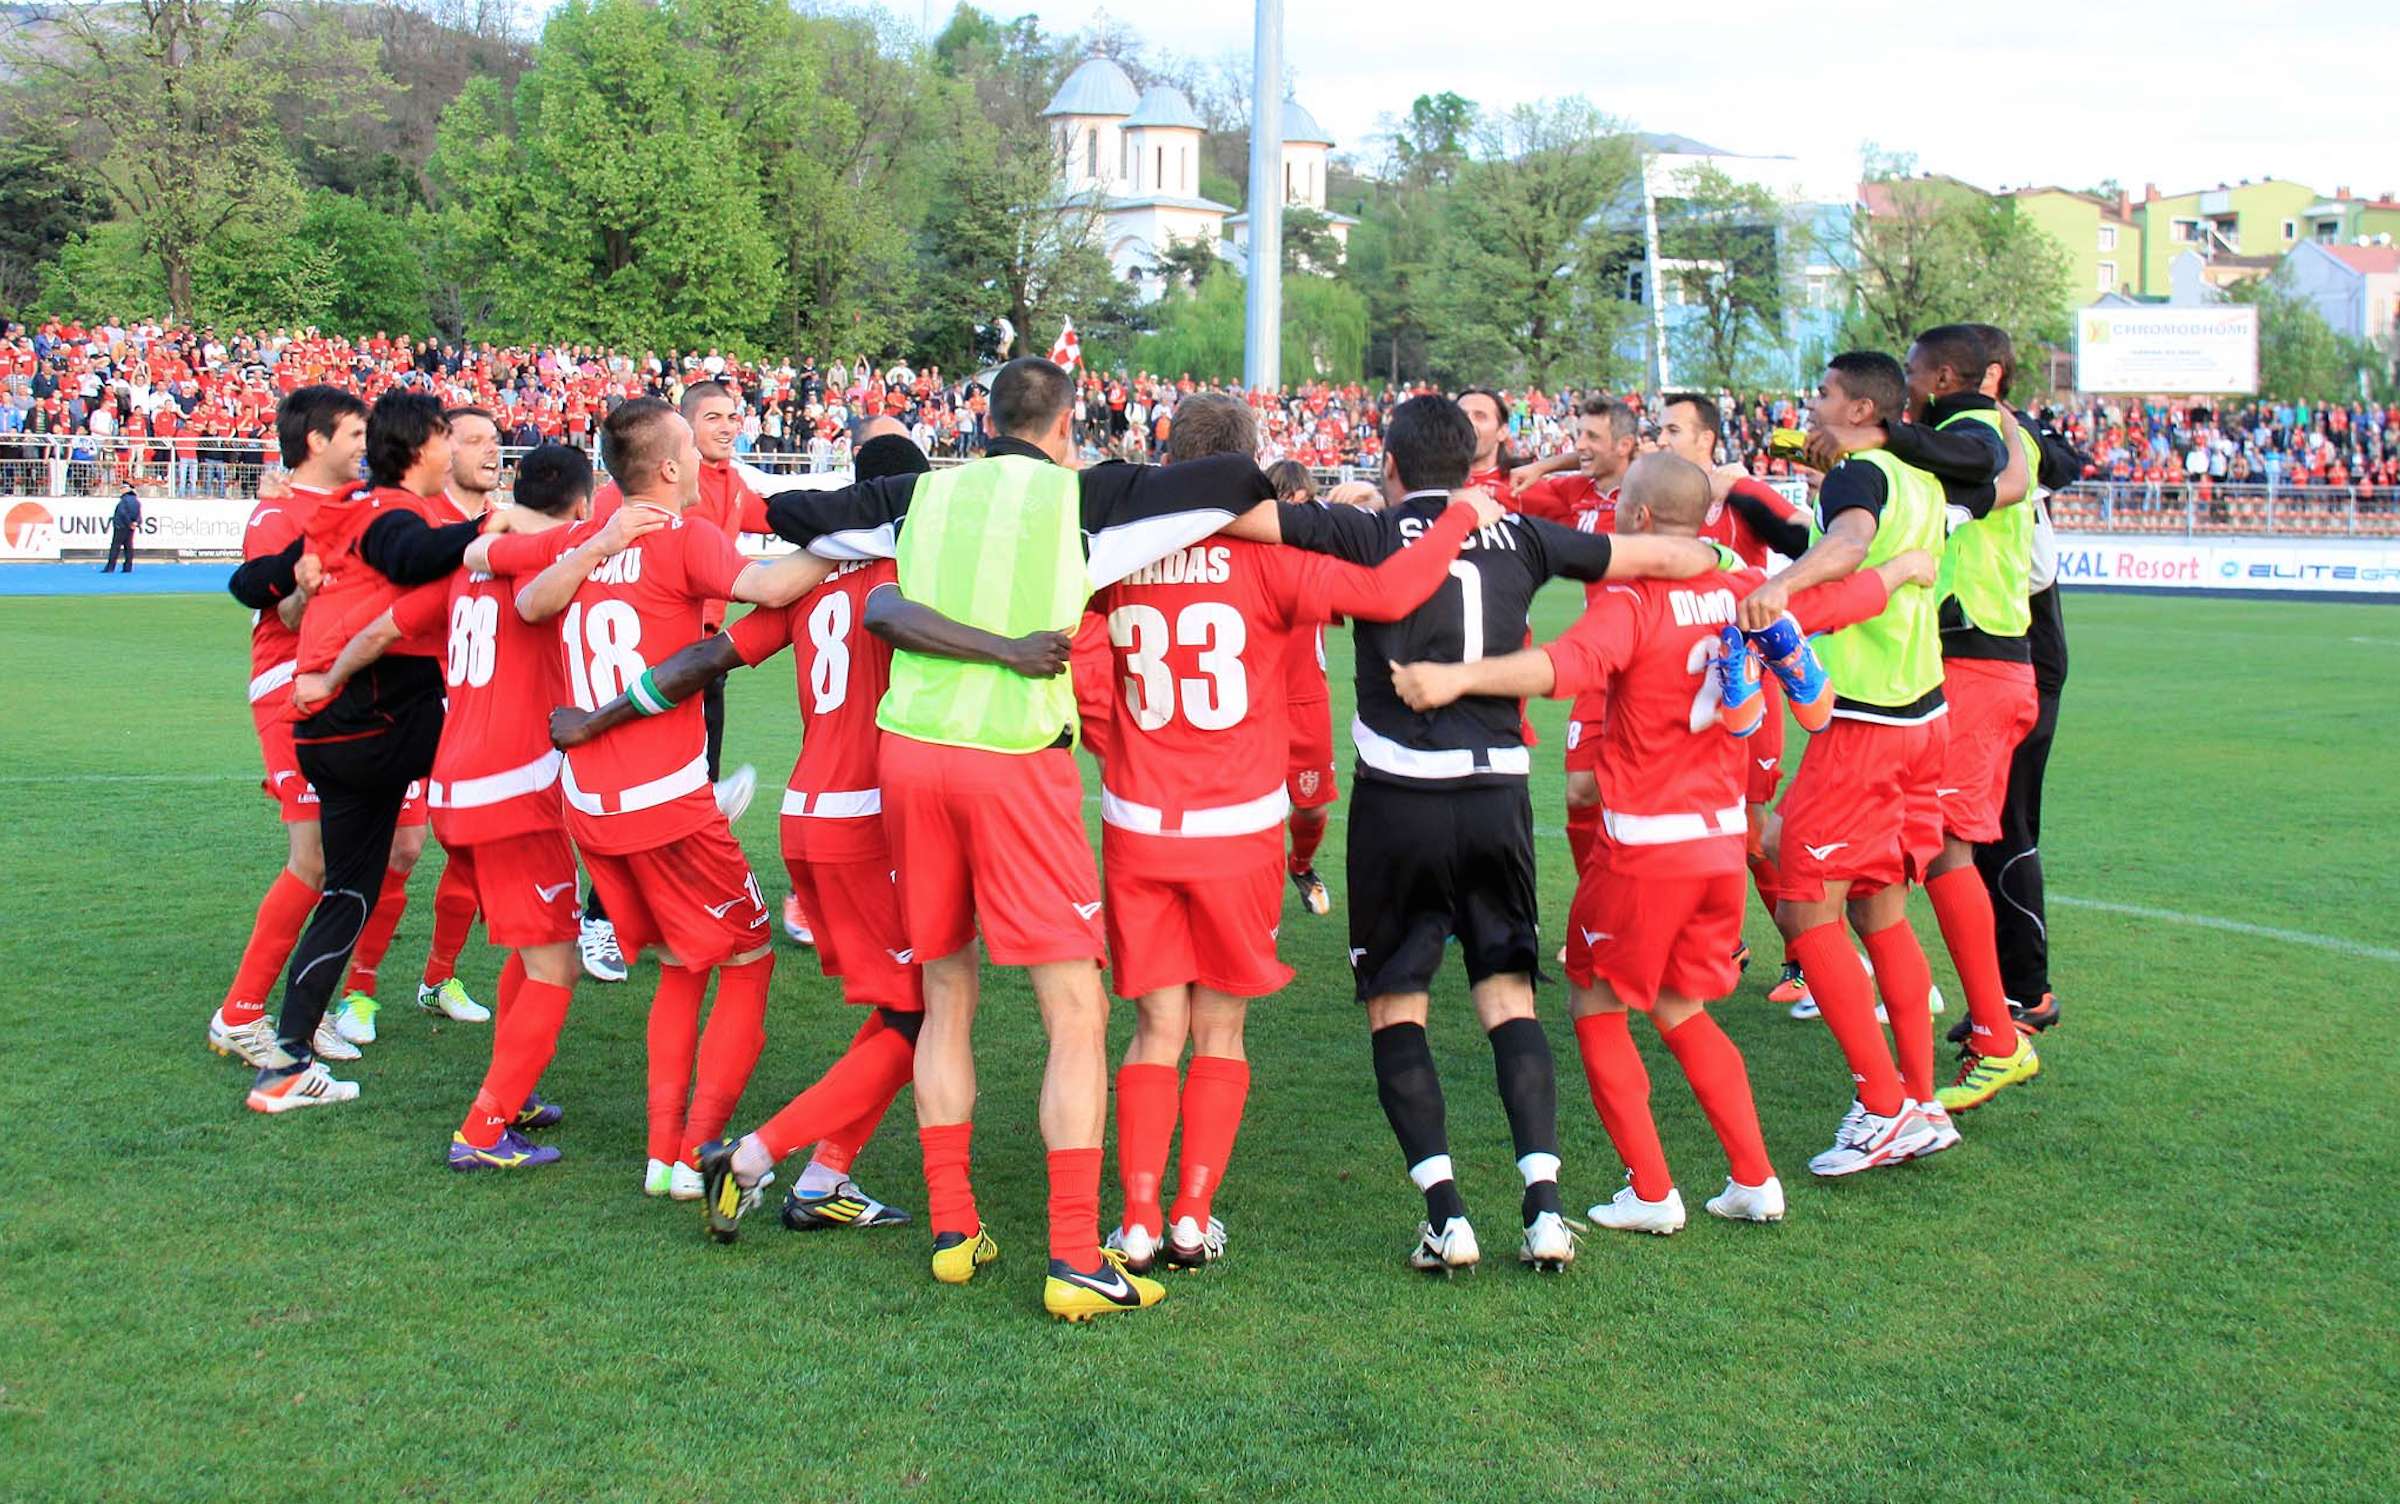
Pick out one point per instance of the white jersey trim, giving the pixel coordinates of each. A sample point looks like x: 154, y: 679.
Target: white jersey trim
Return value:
x: 1265, y: 812
x: 273, y: 679
x: 832, y: 804
x: 1671, y: 830
x: 492, y: 788
x: 689, y: 778
x: 1384, y: 755
x: 1874, y: 718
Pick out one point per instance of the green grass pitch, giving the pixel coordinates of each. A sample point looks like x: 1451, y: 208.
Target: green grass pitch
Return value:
x: 2165, y: 1270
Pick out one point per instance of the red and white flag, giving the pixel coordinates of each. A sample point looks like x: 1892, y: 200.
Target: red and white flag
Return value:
x: 1067, y: 354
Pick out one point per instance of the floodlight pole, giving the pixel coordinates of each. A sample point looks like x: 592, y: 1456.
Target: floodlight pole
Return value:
x: 1262, y: 325
x: 1650, y: 288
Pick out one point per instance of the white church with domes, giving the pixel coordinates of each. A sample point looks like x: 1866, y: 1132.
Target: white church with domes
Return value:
x: 1136, y: 156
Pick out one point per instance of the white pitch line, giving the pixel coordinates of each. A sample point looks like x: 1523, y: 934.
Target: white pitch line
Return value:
x: 2335, y: 943
x: 9, y: 778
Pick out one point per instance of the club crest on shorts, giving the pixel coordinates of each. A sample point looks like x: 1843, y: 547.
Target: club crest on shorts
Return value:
x: 1308, y: 784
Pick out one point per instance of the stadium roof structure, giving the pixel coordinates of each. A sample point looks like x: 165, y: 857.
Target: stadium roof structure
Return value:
x: 1300, y: 127
x: 1163, y: 107
x: 1096, y: 87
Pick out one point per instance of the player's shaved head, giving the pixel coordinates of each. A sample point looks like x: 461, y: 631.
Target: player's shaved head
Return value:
x: 1669, y: 491
x: 554, y: 479
x: 1211, y: 423
x: 639, y: 437
x: 882, y: 425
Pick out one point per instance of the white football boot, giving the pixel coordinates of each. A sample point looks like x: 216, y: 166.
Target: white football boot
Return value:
x: 1448, y: 1251
x: 1748, y: 1203
x: 1549, y: 1246
x: 1628, y: 1212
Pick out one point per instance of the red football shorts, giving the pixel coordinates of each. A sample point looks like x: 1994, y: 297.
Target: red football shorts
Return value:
x: 285, y: 783
x: 1583, y: 732
x: 694, y: 896
x: 413, y: 809
x: 991, y: 841
x: 1308, y: 775
x: 1862, y: 808
x: 1992, y: 707
x: 861, y: 937
x: 1644, y: 935
x: 524, y: 885
x: 1217, y: 930
x: 1763, y: 771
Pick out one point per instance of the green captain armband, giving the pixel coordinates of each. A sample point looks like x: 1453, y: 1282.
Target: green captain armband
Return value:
x: 646, y: 697
x: 1727, y: 560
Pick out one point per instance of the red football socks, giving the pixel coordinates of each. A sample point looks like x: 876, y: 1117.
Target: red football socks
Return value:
x: 1906, y: 984
x: 1766, y: 877
x: 1847, y: 1000
x: 1215, y: 1090
x: 1145, y: 1124
x: 376, y: 938
x: 1964, y: 908
x: 453, y: 917
x: 1307, y: 836
x: 1075, y: 1207
x: 837, y: 1149
x: 523, y: 1040
x: 282, y: 914
x: 729, y: 1049
x: 1721, y: 1081
x: 674, y: 1035
x: 949, y: 1194
x: 1583, y: 833
x: 864, y: 1080
x: 1621, y: 1090
x: 504, y: 996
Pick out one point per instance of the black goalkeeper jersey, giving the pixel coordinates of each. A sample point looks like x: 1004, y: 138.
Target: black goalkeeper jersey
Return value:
x: 1480, y: 611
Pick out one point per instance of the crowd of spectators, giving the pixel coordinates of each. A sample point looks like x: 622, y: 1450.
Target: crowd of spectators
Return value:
x: 93, y: 409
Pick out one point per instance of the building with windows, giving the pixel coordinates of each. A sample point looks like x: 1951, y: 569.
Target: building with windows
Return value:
x: 2245, y: 219
x: 1134, y: 157
x: 2355, y: 287
x: 2099, y: 236
x: 2343, y: 220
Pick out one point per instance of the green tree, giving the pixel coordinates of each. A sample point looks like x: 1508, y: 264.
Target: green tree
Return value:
x: 1728, y: 243
x: 100, y: 273
x: 1526, y: 245
x: 1934, y: 250
x: 380, y: 281
x: 251, y: 277
x: 631, y: 218
x: 1201, y: 329
x: 2300, y: 357
x: 175, y: 103
x: 45, y: 201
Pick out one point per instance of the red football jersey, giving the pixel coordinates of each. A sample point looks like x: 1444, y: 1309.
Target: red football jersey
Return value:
x: 1671, y: 798
x: 1725, y: 525
x: 274, y: 647
x: 644, y: 784
x: 833, y: 804
x: 495, y: 774
x: 353, y: 593
x: 1304, y: 668
x: 1199, y: 733
x: 1566, y: 498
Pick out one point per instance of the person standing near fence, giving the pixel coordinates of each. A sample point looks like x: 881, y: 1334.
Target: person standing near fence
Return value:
x: 121, y: 525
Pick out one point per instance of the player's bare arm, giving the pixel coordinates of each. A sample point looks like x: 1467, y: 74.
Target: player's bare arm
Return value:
x: 370, y: 642
x: 548, y: 593
x: 1514, y: 676
x: 1525, y: 475
x: 912, y: 627
x: 1654, y: 556
x: 1838, y: 553
x: 782, y: 582
x: 686, y: 672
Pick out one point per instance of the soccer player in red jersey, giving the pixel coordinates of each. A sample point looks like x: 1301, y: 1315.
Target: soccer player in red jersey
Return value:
x: 1190, y: 811
x: 1743, y: 512
x: 362, y: 749
x: 1308, y: 779
x: 1584, y: 498
x: 494, y: 793
x: 841, y: 863
x: 321, y: 433
x: 1487, y: 412
x: 640, y: 804
x: 726, y: 502
x: 1655, y: 919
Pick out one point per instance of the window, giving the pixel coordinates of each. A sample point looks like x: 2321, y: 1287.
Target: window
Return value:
x: 2108, y: 276
x: 2108, y: 237
x: 1091, y: 152
x: 1287, y: 182
x: 2183, y: 231
x: 2291, y: 230
x: 2328, y: 231
x: 1158, y: 182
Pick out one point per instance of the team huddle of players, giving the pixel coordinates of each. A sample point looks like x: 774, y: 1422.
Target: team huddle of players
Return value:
x: 529, y: 678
